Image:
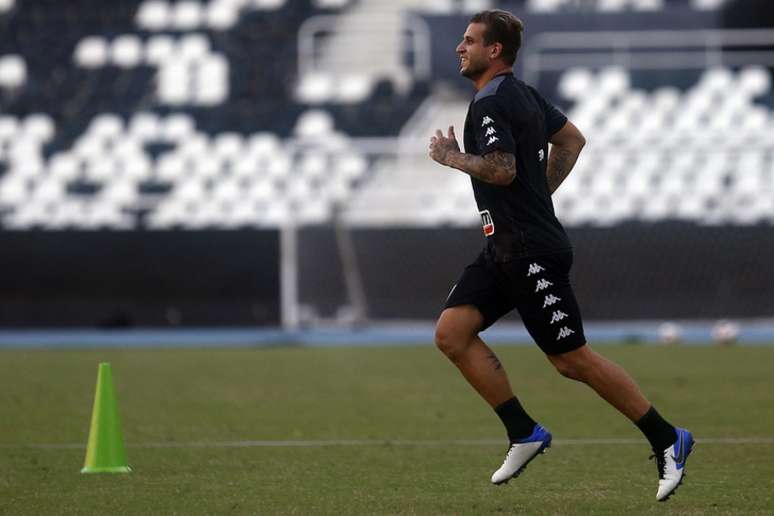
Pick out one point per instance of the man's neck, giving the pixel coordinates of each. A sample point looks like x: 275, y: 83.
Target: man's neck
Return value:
x: 488, y: 75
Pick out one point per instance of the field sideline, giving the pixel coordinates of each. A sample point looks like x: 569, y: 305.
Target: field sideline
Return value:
x: 392, y: 430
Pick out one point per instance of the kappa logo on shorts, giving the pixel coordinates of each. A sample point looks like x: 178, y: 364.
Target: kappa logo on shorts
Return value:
x: 534, y: 269
x: 557, y: 316
x: 492, y: 139
x: 564, y: 332
x: 487, y: 223
x: 550, y: 300
x: 542, y: 285
x: 490, y: 131
x: 486, y: 121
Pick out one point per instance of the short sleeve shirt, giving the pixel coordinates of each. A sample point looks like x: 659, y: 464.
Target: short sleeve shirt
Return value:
x: 518, y: 220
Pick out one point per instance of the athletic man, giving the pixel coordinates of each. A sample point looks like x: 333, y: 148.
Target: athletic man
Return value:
x: 527, y: 256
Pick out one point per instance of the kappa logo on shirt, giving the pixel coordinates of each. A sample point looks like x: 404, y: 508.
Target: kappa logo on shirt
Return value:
x: 487, y: 223
x: 490, y: 131
x: 486, y: 121
x: 558, y: 316
x: 492, y: 139
x: 541, y: 155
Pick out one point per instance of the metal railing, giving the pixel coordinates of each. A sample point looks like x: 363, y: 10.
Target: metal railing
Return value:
x: 648, y: 50
x: 312, y: 31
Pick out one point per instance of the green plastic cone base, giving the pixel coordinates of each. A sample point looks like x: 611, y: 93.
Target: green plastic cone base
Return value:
x: 118, y: 469
x: 105, y: 452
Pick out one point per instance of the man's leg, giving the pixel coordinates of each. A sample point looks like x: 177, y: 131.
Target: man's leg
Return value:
x: 550, y: 312
x: 671, y: 446
x: 457, y: 337
x: 615, y: 386
x: 608, y: 379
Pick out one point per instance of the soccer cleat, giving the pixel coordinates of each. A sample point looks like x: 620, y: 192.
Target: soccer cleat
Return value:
x: 671, y: 464
x: 520, y: 453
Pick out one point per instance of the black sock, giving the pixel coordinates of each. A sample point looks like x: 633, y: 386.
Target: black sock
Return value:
x: 517, y: 422
x: 659, y: 432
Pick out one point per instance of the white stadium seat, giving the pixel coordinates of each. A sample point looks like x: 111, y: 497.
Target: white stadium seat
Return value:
x: 106, y: 127
x: 186, y: 15
x: 175, y: 82
x: 315, y: 88
x: 154, y: 15
x: 221, y: 15
x: 193, y: 48
x: 351, y: 89
x: 39, y: 127
x: 268, y: 4
x: 159, y: 49
x: 177, y: 127
x: 92, y: 52
x: 314, y: 124
x: 13, y: 71
x: 170, y: 168
x: 145, y: 126
x: 228, y: 146
x: 126, y: 51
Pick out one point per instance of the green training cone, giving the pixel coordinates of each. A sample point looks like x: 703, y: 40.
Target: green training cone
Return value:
x: 105, y: 452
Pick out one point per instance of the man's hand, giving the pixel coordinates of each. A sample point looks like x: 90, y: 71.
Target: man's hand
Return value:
x: 443, y: 147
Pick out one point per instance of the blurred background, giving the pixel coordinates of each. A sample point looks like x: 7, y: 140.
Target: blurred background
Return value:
x: 258, y: 168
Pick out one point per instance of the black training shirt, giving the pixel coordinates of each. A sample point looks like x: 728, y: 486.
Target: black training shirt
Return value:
x: 518, y: 219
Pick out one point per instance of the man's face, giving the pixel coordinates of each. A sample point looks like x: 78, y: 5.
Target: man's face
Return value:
x: 474, y: 54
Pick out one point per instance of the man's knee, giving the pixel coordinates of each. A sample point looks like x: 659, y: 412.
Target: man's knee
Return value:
x: 447, y: 341
x: 456, y: 329
x: 576, y: 364
x: 452, y: 342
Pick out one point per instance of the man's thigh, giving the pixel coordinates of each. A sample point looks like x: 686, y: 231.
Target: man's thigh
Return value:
x: 481, y: 287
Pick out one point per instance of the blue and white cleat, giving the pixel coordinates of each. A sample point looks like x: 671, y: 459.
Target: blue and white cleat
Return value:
x: 520, y: 453
x: 671, y: 464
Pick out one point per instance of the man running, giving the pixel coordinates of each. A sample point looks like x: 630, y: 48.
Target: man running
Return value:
x: 527, y: 257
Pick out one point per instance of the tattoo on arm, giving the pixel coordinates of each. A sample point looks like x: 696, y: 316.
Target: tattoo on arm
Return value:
x: 495, y: 361
x: 560, y: 163
x: 496, y: 167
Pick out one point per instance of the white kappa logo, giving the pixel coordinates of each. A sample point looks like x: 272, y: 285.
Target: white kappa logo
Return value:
x: 492, y: 139
x: 541, y: 155
x: 486, y: 121
x: 534, y: 269
x: 558, y: 316
x: 564, y: 332
x: 550, y: 300
x: 542, y: 285
x: 490, y: 131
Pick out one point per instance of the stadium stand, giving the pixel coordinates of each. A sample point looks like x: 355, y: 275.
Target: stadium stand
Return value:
x: 226, y: 113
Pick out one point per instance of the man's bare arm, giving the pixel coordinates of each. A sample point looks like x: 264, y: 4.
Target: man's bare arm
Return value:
x: 566, y: 145
x: 496, y: 167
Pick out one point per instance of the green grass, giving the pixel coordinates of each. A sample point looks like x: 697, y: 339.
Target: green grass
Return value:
x: 382, y: 394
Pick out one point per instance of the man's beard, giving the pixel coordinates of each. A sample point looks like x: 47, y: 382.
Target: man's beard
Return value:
x: 472, y: 71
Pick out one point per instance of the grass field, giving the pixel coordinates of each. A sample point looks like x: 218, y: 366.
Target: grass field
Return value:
x: 390, y: 417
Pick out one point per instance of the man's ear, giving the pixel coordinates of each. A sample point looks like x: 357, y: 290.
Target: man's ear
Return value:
x: 497, y: 49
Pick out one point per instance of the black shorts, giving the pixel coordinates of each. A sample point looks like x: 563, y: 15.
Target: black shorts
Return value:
x: 538, y: 287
